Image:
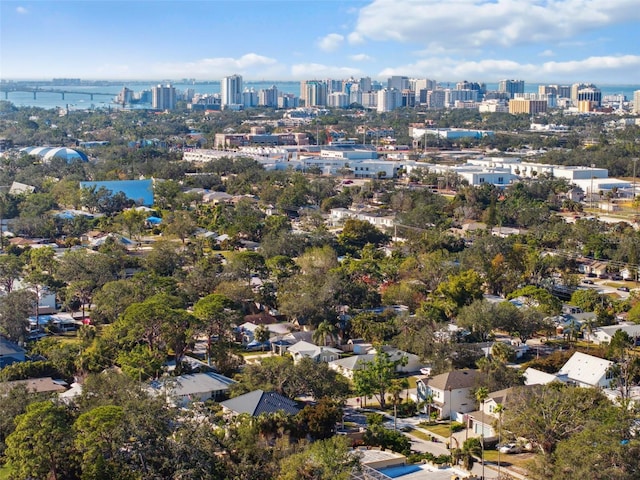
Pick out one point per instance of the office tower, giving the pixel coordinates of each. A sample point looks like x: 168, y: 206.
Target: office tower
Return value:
x: 163, y: 98
x: 585, y: 91
x: 636, y: 102
x: 590, y: 93
x: 389, y: 99
x: 525, y: 105
x: 398, y: 83
x: 436, y: 98
x: 511, y: 87
x: 231, y: 91
x: 453, y: 96
x: 334, y: 86
x: 364, y: 84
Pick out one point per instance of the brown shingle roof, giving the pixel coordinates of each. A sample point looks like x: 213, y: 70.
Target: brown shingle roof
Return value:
x: 454, y: 380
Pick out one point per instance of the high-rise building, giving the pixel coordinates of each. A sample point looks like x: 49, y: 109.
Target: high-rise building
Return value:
x: 249, y: 98
x: 231, y: 91
x: 590, y: 93
x: 398, y: 82
x: 313, y: 93
x: 163, y: 97
x: 389, y: 99
x: 511, y: 87
x: 525, y: 105
x: 338, y: 100
x: 636, y: 102
x: 364, y: 84
x: 268, y: 97
x: 585, y: 91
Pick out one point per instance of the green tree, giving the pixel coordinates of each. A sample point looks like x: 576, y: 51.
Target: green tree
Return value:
x: 549, y: 414
x: 261, y: 334
x: 179, y: 224
x: 41, y: 447
x: 98, y: 434
x: 375, y: 377
x: 216, y: 313
x: 461, y: 289
x: 15, y: 308
x: 10, y: 271
x: 330, y: 459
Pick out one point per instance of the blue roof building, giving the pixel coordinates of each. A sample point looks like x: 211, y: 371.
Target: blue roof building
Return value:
x: 140, y: 191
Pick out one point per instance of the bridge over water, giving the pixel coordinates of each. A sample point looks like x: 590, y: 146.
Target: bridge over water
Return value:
x: 6, y: 89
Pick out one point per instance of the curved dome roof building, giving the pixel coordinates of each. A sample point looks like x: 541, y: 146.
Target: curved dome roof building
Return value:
x: 47, y: 153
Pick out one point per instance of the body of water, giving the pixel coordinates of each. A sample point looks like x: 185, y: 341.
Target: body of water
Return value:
x: 83, y: 102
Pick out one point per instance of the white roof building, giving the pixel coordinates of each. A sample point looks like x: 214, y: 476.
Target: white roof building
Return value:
x: 587, y: 371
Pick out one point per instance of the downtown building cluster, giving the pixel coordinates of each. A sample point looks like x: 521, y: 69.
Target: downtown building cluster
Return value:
x: 397, y: 92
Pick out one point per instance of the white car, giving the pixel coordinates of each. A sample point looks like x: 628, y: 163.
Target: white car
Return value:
x: 425, y: 371
x: 510, y: 448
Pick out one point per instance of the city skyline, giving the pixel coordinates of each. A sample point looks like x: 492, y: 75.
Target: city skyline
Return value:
x: 538, y: 41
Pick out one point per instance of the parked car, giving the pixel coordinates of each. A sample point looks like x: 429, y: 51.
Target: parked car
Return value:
x: 587, y: 281
x: 591, y: 275
x: 623, y: 289
x: 425, y: 371
x: 616, y: 277
x: 510, y: 448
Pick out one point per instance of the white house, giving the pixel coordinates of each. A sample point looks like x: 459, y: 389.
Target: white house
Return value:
x: 604, y: 334
x: 538, y: 377
x: 316, y: 353
x: 587, y: 371
x: 450, y: 393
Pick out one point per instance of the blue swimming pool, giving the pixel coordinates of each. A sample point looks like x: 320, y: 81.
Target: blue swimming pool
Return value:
x: 395, y: 472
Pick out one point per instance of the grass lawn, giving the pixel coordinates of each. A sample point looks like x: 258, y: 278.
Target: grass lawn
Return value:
x: 441, y: 429
x: 507, y: 459
x: 419, y: 434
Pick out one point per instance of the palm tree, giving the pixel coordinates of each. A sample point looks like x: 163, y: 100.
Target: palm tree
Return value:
x: 322, y: 331
x: 481, y: 395
x: 395, y: 389
x: 499, y: 409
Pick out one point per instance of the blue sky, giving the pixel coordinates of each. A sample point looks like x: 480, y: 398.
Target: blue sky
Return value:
x: 447, y: 40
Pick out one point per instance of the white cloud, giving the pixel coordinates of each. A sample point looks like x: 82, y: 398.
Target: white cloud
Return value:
x: 547, y: 53
x: 22, y: 10
x: 316, y: 70
x: 595, y: 69
x: 361, y: 57
x: 355, y: 38
x: 250, y: 63
x: 331, y: 42
x: 476, y: 23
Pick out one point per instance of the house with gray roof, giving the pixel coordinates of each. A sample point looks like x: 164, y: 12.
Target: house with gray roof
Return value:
x: 257, y: 402
x: 316, y: 353
x: 195, y: 387
x: 347, y: 366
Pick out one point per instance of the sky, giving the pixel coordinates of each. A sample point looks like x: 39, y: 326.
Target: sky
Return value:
x: 551, y: 41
